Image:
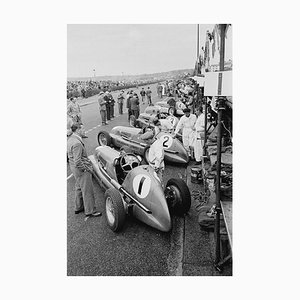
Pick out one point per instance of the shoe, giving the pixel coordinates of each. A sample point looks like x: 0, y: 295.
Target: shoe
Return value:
x: 95, y: 214
x: 104, y: 124
x: 84, y: 136
x: 198, y: 163
x: 79, y: 211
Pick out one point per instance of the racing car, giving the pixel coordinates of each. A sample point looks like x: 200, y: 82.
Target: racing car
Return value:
x: 135, y: 189
x: 169, y: 105
x: 121, y: 136
x: 147, y: 117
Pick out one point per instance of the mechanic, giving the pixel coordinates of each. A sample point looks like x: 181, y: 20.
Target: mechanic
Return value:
x: 156, y: 152
x: 102, y: 107
x: 135, y: 105
x: 148, y: 93
x: 74, y: 112
x: 166, y: 124
x: 199, y: 135
x: 82, y: 169
x: 187, y: 123
x: 121, y: 102
x: 143, y: 93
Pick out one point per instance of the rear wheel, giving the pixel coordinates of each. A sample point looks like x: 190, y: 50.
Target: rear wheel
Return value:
x: 104, y: 138
x: 178, y: 196
x: 114, y: 209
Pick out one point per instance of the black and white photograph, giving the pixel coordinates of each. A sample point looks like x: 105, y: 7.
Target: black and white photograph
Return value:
x: 149, y: 149
x: 127, y: 170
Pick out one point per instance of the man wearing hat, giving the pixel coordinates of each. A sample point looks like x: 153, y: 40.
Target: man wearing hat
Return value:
x: 102, y: 107
x: 187, y: 123
x: 74, y: 112
x: 82, y: 169
x: 108, y: 105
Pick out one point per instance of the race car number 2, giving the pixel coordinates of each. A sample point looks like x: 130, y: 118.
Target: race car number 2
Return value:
x: 141, y: 185
x: 167, y: 141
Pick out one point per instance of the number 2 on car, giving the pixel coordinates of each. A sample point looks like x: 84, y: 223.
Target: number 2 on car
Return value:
x: 141, y: 185
x: 167, y: 141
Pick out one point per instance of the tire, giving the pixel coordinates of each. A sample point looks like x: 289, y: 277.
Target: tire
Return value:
x: 114, y: 210
x: 102, y: 137
x: 171, y: 109
x: 146, y: 154
x: 182, y: 197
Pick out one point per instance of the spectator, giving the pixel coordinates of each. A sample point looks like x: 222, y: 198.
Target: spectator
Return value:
x: 135, y: 105
x: 128, y: 104
x: 102, y: 107
x: 108, y: 105
x: 148, y: 93
x: 112, y: 105
x: 143, y: 93
x: 74, y: 112
x: 120, y: 102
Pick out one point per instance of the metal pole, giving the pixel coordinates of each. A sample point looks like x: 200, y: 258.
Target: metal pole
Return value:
x: 219, y: 148
x: 197, y: 44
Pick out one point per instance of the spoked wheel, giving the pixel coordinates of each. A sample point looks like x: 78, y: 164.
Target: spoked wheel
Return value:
x: 104, y: 138
x: 114, y: 210
x: 178, y: 196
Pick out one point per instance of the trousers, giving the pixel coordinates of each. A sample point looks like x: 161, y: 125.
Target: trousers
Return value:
x: 84, y: 193
x: 120, y: 105
x: 187, y: 139
x: 103, y: 116
x: 198, y: 149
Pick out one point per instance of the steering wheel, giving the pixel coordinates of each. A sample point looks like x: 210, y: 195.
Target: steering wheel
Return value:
x: 128, y: 162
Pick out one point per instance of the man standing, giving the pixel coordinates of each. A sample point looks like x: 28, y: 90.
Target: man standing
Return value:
x: 81, y: 168
x: 148, y: 93
x: 102, y: 107
x: 199, y: 135
x: 143, y: 94
x: 108, y: 106
x: 128, y: 104
x: 186, y: 123
x: 120, y: 102
x: 135, y: 105
x: 112, y: 105
x: 74, y: 112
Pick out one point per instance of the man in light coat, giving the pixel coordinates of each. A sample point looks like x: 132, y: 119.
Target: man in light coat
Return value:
x: 81, y: 168
x: 102, y: 107
x: 187, y: 123
x: 199, y: 135
x: 157, y: 153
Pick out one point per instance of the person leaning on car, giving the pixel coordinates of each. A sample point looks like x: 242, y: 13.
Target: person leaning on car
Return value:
x: 102, y: 107
x: 82, y: 169
x: 157, y: 153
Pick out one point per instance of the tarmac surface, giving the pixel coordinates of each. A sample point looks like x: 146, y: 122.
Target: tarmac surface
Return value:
x: 138, y: 250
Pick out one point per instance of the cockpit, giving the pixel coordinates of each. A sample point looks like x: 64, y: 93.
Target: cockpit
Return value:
x: 125, y: 163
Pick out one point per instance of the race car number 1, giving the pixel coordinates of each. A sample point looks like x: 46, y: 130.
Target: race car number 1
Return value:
x: 167, y: 141
x: 141, y: 185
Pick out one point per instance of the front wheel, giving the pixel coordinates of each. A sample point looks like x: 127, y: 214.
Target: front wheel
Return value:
x: 114, y: 209
x: 178, y: 196
x: 104, y: 138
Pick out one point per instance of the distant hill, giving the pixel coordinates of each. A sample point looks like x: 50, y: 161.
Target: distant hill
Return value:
x: 161, y: 75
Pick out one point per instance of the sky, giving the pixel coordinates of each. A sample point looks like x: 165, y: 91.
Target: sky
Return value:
x: 131, y: 49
